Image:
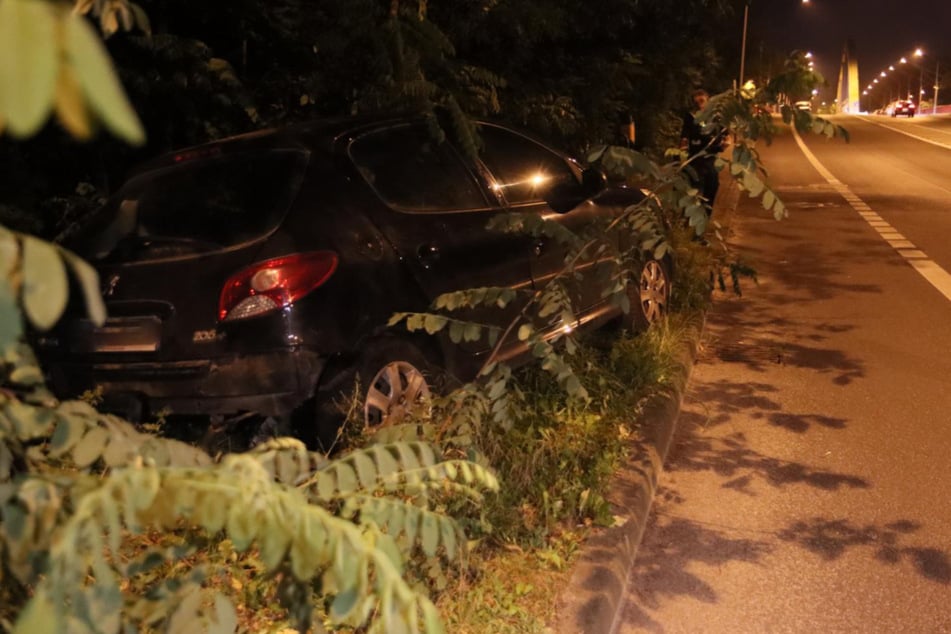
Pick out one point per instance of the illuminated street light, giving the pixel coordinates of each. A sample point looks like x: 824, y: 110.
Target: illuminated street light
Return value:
x: 903, y: 60
x: 884, y: 74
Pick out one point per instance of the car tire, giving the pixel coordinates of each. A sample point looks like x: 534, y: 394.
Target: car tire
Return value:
x: 394, y: 377
x: 649, y: 295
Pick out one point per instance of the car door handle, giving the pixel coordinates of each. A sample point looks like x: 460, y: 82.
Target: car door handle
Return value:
x: 427, y: 254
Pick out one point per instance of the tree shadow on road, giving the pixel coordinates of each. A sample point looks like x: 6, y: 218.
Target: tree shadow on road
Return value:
x: 724, y: 399
x: 731, y: 457
x: 753, y: 336
x: 808, y: 271
x: 674, y: 545
x: 830, y: 538
x: 662, y: 566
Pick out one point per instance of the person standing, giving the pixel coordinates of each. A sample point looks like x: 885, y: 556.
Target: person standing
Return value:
x: 702, y: 149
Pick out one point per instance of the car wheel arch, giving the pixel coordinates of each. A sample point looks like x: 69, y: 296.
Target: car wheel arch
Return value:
x: 318, y: 419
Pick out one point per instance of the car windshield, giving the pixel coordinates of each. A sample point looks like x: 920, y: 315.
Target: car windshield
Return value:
x: 195, y: 207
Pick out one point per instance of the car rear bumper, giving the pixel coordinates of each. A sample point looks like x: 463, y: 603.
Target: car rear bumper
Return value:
x: 270, y: 383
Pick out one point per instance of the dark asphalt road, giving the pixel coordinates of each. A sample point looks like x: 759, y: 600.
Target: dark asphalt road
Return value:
x: 809, y: 486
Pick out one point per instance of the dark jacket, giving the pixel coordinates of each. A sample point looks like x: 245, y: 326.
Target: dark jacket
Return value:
x: 697, y: 140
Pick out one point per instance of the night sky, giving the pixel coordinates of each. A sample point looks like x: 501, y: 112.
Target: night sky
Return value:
x: 883, y: 31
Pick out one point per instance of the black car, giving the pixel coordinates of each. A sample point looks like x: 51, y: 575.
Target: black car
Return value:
x: 257, y: 273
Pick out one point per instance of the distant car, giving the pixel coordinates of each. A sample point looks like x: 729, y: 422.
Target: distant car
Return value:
x: 257, y: 273
x: 905, y: 107
x: 805, y: 106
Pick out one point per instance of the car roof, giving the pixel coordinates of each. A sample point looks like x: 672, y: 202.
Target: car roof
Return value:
x: 319, y: 134
x: 312, y: 135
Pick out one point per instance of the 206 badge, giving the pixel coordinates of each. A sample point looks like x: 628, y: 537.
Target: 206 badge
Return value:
x: 205, y: 336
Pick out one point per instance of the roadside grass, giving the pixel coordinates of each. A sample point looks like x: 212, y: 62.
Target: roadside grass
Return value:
x: 514, y: 592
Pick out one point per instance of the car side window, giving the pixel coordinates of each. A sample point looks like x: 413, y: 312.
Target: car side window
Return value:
x: 523, y: 169
x: 412, y: 172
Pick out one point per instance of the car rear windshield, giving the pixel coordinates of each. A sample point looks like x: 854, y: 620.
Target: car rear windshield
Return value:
x: 196, y: 206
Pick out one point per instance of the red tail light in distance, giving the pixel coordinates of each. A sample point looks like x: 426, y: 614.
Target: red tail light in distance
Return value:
x: 274, y: 284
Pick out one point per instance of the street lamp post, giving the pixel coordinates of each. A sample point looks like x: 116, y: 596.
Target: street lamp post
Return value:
x: 746, y: 22
x: 937, y: 67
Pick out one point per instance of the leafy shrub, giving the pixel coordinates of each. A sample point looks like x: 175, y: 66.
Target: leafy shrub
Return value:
x: 76, y: 486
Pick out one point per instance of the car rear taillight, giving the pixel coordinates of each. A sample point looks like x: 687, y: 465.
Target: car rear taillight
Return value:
x: 274, y: 284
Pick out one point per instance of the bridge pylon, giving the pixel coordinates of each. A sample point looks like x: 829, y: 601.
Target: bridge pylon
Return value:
x: 848, y: 89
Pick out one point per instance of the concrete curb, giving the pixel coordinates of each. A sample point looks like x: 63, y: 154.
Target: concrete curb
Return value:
x: 594, y: 596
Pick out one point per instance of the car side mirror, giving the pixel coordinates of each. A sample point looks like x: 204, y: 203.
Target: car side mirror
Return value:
x: 593, y: 181
x: 564, y: 196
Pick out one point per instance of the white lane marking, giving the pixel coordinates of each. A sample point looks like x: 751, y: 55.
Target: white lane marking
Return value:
x: 914, y: 136
x: 901, y: 244
x: 919, y: 260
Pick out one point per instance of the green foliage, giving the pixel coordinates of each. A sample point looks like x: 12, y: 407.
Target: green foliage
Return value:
x: 56, y: 61
x: 621, y: 57
x: 344, y: 527
x: 115, y: 14
x: 35, y: 274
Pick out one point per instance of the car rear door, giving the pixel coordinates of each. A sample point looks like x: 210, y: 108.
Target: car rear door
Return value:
x: 435, y: 214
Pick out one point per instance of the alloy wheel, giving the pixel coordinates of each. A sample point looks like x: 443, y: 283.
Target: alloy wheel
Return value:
x: 399, y: 389
x: 654, y: 291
